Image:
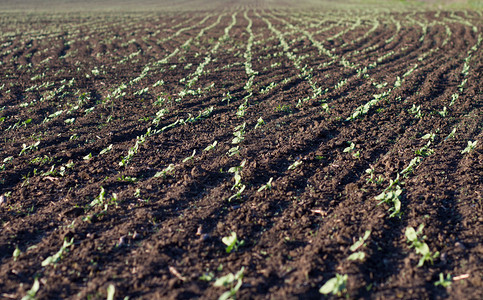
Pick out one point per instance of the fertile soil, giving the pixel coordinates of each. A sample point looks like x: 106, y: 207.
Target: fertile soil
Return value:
x: 106, y: 118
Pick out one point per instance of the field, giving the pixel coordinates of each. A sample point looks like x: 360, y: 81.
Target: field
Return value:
x: 248, y: 149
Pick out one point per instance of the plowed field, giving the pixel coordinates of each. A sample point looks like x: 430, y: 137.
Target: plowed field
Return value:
x: 149, y: 154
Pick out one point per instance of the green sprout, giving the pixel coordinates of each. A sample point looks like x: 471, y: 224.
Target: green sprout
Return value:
x: 190, y: 157
x: 111, y: 292
x: 58, y: 256
x: 16, y: 253
x: 391, y: 195
x: 232, y: 242
x: 228, y: 281
x: 421, y: 247
x: 335, y: 285
x: 267, y: 186
x: 260, y: 122
x: 471, y: 146
x: 33, y: 290
x: 359, y: 255
x: 444, y: 282
x: 294, y: 165
x: 166, y: 171
x: 211, y: 147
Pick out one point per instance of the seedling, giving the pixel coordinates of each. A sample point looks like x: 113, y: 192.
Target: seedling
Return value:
x: 237, y: 175
x: 33, y: 291
x: 416, y: 110
x: 239, y: 168
x: 134, y: 149
x: 451, y: 134
x: 267, y: 186
x: 238, y: 194
x: 232, y: 242
x: 471, y: 146
x: 111, y: 292
x: 208, y: 276
x: 233, y: 151
x: 359, y: 255
x: 371, y: 172
x: 350, y: 148
x: 421, y: 247
x: 412, y: 164
x: 444, y: 282
x: 454, y: 97
x: 166, y: 171
x: 16, y: 253
x: 205, y: 113
x: 391, y: 195
x: 158, y: 83
x: 361, y: 241
x: 424, y: 151
x: 99, y: 200
x: 105, y: 150
x: 211, y: 147
x: 58, y: 256
x: 127, y: 178
x: 238, y: 133
x: 444, y: 112
x: 159, y: 115
x: 227, y: 98
x: 335, y: 285
x: 429, y: 136
x: 242, y: 109
x: 26, y: 148
x: 294, y: 165
x: 190, y: 157
x: 228, y: 281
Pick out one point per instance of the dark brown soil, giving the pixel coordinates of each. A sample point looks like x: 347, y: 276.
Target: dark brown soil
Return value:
x: 82, y: 92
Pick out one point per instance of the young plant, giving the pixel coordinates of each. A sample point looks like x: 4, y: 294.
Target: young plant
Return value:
x: 105, y: 150
x: 451, y: 134
x: 111, y: 292
x: 233, y: 151
x: 391, y: 195
x: 371, y: 172
x: 359, y: 255
x: 190, y: 157
x: 421, y: 247
x: 471, y: 146
x: 424, y: 151
x: 294, y: 165
x: 237, y: 195
x: 416, y: 110
x: 444, y: 282
x: 260, y: 122
x: 133, y: 150
x: 350, y: 148
x: 211, y: 147
x: 231, y: 281
x: 232, y: 242
x: 239, y: 134
x: 267, y: 186
x: 58, y: 256
x: 444, y: 112
x: 412, y: 164
x: 33, y: 291
x: 166, y: 171
x: 16, y: 253
x: 335, y: 286
x: 237, y: 175
x: 26, y: 148
x: 99, y: 200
